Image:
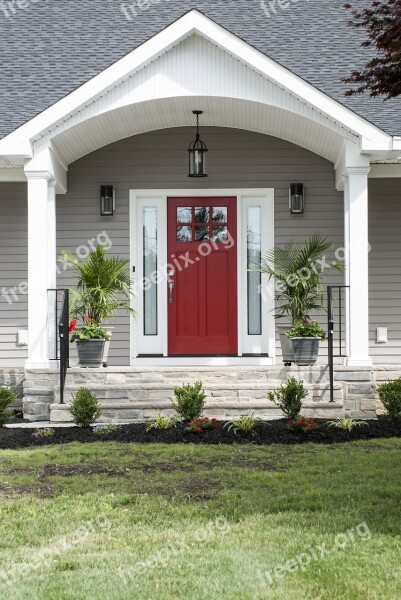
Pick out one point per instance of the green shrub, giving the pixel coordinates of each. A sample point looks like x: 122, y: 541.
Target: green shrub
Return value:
x: 289, y: 397
x: 390, y: 395
x: 190, y: 401
x: 7, y: 397
x: 84, y: 407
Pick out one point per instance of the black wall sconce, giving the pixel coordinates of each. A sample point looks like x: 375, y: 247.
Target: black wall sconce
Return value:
x: 107, y: 200
x: 297, y: 198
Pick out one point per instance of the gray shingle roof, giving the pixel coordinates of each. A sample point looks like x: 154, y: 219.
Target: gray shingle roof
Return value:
x: 51, y: 47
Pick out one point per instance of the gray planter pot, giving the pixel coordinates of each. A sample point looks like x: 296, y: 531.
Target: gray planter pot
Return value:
x: 107, y: 346
x: 286, y: 345
x: 306, y: 350
x: 90, y: 352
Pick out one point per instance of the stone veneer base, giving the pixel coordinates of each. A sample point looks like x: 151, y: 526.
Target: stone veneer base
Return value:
x: 133, y: 394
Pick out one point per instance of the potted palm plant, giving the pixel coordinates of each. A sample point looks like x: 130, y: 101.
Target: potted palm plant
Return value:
x: 298, y: 271
x: 103, y: 287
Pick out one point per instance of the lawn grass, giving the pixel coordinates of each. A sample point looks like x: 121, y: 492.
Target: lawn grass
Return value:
x: 121, y: 521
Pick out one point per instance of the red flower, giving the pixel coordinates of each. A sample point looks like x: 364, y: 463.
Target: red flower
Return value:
x: 305, y: 322
x: 199, y: 430
x: 73, y: 326
x: 90, y: 319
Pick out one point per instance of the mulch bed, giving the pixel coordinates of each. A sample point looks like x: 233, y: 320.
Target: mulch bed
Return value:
x: 272, y: 432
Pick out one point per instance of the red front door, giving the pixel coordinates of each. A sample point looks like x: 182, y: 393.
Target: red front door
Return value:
x: 202, y: 256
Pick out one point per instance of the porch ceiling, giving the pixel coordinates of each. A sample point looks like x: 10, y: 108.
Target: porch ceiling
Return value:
x: 166, y: 113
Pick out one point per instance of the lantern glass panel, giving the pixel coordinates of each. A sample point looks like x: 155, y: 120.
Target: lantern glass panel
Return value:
x: 107, y: 205
x: 297, y: 198
x: 197, y: 166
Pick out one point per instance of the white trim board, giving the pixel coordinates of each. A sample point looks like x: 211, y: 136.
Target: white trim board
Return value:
x: 212, y: 361
x: 383, y: 171
x: 158, y: 198
x: 19, y: 142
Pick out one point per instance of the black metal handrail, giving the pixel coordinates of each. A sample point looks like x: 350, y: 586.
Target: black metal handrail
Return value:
x: 331, y: 328
x: 63, y: 329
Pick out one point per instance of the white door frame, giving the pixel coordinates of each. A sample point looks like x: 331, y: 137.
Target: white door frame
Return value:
x: 264, y: 345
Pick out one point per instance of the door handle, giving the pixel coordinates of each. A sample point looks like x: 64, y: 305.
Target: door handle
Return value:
x: 171, y: 287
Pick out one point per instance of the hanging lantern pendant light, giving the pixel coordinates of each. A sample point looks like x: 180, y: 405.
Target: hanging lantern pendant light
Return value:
x: 197, y: 152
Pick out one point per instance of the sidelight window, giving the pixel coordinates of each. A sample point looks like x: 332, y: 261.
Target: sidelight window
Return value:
x: 149, y: 216
x: 254, y: 253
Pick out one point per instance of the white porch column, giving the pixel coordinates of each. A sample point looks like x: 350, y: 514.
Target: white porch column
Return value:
x: 51, y: 266
x: 357, y: 249
x: 41, y: 264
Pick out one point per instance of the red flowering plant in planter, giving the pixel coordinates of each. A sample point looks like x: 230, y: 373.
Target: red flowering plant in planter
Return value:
x: 88, y: 331
x: 303, y: 425
x: 202, y: 423
x: 90, y: 339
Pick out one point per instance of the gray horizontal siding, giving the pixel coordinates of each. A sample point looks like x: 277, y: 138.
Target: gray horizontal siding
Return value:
x: 13, y: 271
x: 385, y: 267
x: 158, y: 160
x: 237, y: 159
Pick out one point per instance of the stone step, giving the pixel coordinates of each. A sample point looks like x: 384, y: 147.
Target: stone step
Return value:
x: 131, y: 412
x: 146, y: 392
x: 178, y: 376
x: 354, y: 386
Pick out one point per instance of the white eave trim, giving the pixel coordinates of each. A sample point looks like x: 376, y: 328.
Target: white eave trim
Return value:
x: 382, y: 171
x: 12, y: 175
x: 397, y: 143
x: 18, y: 143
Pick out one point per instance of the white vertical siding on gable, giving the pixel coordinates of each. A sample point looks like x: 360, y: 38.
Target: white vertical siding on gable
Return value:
x: 196, y: 69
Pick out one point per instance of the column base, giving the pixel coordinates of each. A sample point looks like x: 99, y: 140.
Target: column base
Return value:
x: 40, y: 365
x: 358, y: 361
